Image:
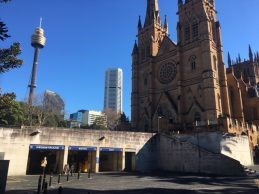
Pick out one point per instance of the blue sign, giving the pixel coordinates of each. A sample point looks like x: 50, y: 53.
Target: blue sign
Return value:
x: 46, y: 147
x: 81, y: 148
x: 110, y: 149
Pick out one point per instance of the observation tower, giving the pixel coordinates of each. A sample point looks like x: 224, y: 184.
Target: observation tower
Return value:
x: 38, y: 41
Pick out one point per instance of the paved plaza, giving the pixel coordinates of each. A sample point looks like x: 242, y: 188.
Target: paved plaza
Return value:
x: 134, y: 183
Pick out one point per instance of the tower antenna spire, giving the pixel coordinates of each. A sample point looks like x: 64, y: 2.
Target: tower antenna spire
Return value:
x: 40, y: 21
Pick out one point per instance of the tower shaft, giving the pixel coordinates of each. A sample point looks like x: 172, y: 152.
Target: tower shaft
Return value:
x: 32, y: 85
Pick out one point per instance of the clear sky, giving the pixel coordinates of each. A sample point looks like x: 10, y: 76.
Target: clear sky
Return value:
x: 85, y: 37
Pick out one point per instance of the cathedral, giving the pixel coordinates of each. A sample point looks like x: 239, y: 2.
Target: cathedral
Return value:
x: 179, y: 86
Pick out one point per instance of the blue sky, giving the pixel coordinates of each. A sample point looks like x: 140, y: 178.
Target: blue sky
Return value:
x: 85, y: 37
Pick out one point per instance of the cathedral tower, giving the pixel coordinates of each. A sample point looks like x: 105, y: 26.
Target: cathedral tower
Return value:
x: 150, y: 36
x: 201, y: 60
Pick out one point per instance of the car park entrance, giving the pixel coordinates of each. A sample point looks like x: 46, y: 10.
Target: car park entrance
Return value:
x: 130, y: 158
x: 54, y: 155
x: 110, y: 159
x: 82, y: 158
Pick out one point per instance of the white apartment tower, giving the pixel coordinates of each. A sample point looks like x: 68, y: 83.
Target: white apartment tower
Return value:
x: 113, y: 89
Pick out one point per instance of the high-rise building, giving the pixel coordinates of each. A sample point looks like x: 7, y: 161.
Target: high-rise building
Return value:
x: 54, y: 103
x: 113, y: 90
x: 88, y: 117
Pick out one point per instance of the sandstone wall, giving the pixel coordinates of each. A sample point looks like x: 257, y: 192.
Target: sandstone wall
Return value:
x: 15, y: 142
x: 236, y: 147
x: 181, y: 156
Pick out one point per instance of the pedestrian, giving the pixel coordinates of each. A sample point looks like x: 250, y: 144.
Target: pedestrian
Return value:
x: 43, y: 164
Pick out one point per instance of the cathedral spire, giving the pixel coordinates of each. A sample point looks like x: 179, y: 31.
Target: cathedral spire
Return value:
x: 166, y: 24
x: 139, y: 23
x: 239, y: 58
x: 229, y: 60
x: 152, y: 14
x: 180, y: 2
x: 251, y: 58
x: 135, y: 48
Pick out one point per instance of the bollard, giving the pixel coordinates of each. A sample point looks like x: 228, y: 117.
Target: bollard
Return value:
x: 44, y: 180
x: 60, y: 189
x: 67, y: 176
x: 39, y: 184
x: 59, y: 178
x: 78, y: 175
x: 50, y: 180
x: 45, y: 190
x: 89, y: 173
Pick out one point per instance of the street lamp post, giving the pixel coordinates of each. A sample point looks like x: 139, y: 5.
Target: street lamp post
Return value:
x: 158, y: 118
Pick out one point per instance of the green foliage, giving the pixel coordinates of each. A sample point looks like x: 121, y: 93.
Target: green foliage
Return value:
x: 85, y: 127
x: 63, y: 123
x: 38, y: 115
x: 8, y: 57
x: 123, y: 118
x: 10, y: 111
x: 99, y: 123
x: 124, y: 124
x: 112, y: 119
x: 3, y: 31
x: 4, y: 1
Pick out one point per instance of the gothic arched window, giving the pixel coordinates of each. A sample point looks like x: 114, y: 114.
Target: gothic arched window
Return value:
x: 192, y: 61
x: 197, y: 116
x: 187, y: 32
x: 195, y: 29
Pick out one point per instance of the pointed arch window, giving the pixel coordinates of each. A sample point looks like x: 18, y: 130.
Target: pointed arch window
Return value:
x: 197, y: 116
x: 192, y: 61
x: 195, y: 29
x: 187, y: 32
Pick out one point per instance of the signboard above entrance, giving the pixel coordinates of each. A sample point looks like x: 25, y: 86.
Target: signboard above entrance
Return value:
x: 81, y: 148
x: 46, y: 147
x: 111, y: 149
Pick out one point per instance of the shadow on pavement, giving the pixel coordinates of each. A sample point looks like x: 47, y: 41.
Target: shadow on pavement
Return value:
x: 148, y: 191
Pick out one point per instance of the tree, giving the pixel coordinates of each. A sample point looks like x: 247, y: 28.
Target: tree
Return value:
x: 123, y: 118
x: 4, y: 1
x: 10, y: 111
x: 8, y: 57
x: 112, y: 119
x: 41, y: 113
x: 124, y: 124
x: 99, y: 123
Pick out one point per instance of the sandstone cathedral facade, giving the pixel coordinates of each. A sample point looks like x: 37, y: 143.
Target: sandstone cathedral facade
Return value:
x: 179, y: 86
